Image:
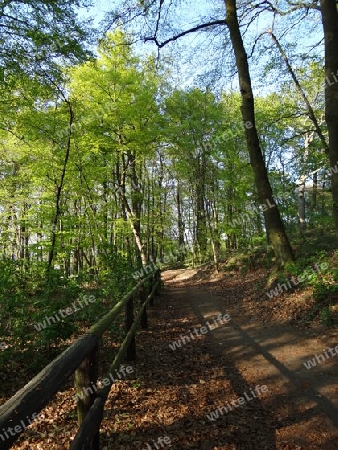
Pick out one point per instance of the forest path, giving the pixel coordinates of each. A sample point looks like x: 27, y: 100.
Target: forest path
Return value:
x: 197, y: 388
x: 298, y: 408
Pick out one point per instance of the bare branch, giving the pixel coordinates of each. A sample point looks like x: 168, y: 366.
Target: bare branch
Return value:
x: 294, y: 7
x: 184, y: 33
x: 301, y: 91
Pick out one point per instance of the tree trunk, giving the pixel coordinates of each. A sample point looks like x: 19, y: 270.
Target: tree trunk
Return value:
x: 302, y: 93
x: 301, y: 205
x: 308, y: 139
x: 213, y: 231
x: 136, y: 203
x: 314, y: 192
x: 273, y: 221
x: 134, y: 218
x: 201, y: 219
x: 330, y: 26
x: 180, y: 222
x: 59, y: 188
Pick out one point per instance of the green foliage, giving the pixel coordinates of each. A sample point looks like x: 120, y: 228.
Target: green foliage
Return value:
x: 136, y: 384
x: 326, y: 297
x: 326, y: 317
x: 55, y: 333
x: 307, y: 269
x: 13, y: 315
x: 9, y: 277
x: 34, y: 34
x: 116, y: 279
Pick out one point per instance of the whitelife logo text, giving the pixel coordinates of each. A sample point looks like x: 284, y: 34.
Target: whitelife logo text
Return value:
x: 191, y: 335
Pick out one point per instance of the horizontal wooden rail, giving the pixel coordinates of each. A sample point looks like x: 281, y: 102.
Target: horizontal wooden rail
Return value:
x: 21, y: 409
x: 91, y: 424
x: 37, y: 393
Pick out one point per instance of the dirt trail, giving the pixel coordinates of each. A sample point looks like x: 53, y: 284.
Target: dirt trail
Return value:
x: 300, y: 408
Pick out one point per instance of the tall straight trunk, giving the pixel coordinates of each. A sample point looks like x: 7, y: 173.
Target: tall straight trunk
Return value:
x: 105, y: 208
x: 314, y: 192
x: 231, y: 240
x: 273, y: 222
x: 180, y: 222
x: 330, y: 26
x: 152, y: 190
x: 213, y: 231
x: 59, y: 190
x: 201, y: 217
x: 308, y: 139
x: 301, y: 205
x: 150, y: 205
x: 215, y: 224
x: 217, y: 238
x: 136, y: 204
x: 162, y: 202
x: 133, y: 217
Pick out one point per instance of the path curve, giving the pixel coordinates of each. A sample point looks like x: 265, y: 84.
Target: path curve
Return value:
x: 300, y: 409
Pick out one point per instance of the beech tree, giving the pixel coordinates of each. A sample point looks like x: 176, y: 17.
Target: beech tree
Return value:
x: 329, y: 15
x: 34, y: 34
x: 273, y: 222
x: 193, y: 117
x: 125, y: 132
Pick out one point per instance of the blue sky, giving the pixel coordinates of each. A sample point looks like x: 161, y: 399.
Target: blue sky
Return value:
x: 197, y: 54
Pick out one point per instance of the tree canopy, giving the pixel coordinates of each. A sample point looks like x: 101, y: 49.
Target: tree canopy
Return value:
x: 109, y: 161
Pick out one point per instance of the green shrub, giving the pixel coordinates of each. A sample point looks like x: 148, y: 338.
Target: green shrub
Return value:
x: 325, y: 295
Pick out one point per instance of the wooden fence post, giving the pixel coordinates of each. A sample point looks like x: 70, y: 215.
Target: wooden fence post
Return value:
x: 158, y: 279
x: 143, y: 294
x: 86, y: 390
x: 131, y: 349
x: 151, y: 285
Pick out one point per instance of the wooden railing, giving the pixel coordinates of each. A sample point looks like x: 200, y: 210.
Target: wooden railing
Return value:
x: 82, y: 357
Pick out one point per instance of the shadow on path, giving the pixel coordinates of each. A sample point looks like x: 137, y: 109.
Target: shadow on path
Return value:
x: 178, y: 389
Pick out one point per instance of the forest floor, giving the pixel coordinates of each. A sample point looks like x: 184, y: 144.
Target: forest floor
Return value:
x: 258, y: 356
